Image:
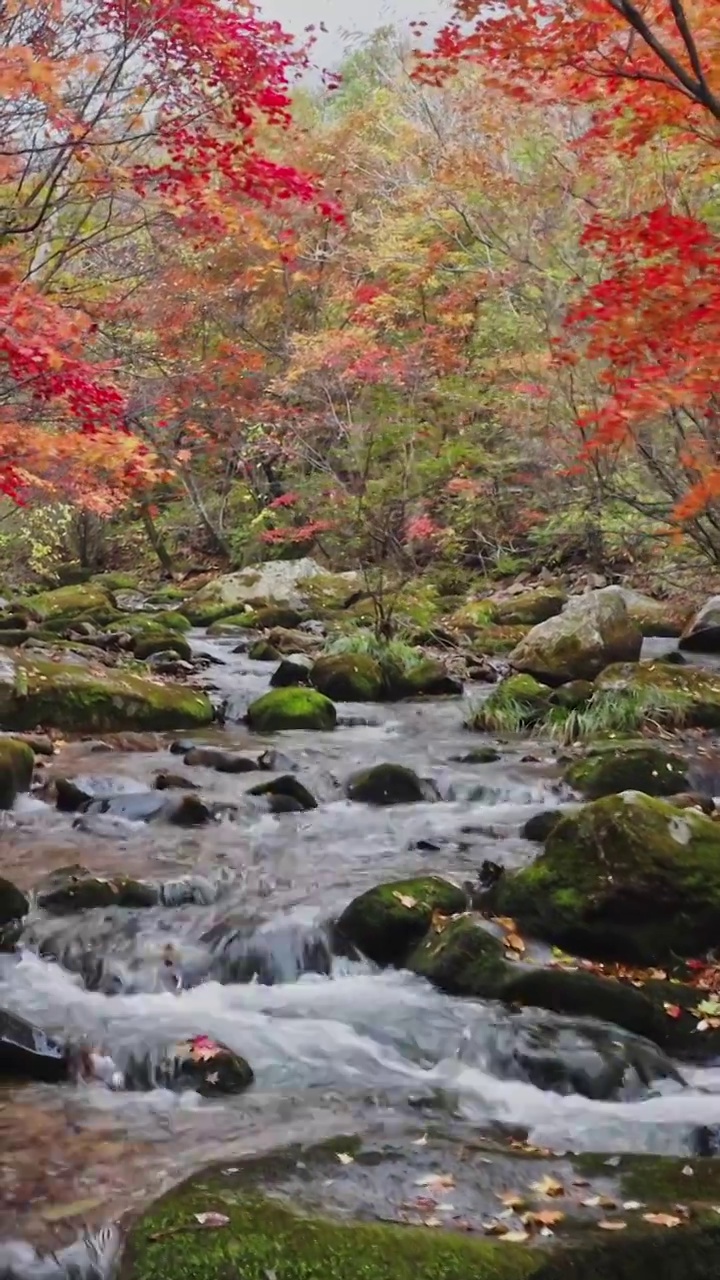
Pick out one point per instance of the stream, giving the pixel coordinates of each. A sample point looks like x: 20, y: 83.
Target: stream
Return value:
x: 336, y: 1046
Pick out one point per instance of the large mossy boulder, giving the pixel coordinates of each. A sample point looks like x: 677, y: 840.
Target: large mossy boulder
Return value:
x: 387, y: 922
x: 291, y: 708
x: 386, y: 784
x: 275, y: 583
x: 607, y: 770
x: 65, y: 602
x: 517, y: 702
x: 461, y: 958
x: 36, y: 691
x: 672, y: 694
x: 702, y: 633
x: 348, y: 677
x: 667, y: 618
x: 527, y: 608
x: 593, y: 631
x: 627, y: 877
x: 17, y: 761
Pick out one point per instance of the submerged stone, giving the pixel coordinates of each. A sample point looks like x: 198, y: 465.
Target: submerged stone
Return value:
x: 386, y: 784
x: 286, y: 787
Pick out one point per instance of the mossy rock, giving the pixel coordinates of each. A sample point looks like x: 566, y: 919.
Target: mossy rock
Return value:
x: 246, y: 621
x: 65, y: 602
x: 148, y: 624
x: 72, y: 889
x: 13, y: 639
x: 334, y: 1231
x: 426, y: 679
x: 573, y: 696
x: 288, y: 787
x: 386, y: 784
x: 627, y: 877
x: 329, y: 591
x: 59, y: 695
x: 692, y: 693
x: 17, y: 761
x: 291, y: 708
x: 116, y: 581
x: 278, y: 616
x: 13, y: 903
x: 528, y: 608
x: 348, y: 677
x: 517, y: 702
x: 387, y: 922
x: 591, y: 632
x: 162, y: 642
x: 100, y: 617
x: 263, y: 651
x: 607, y: 771
x: 461, y: 958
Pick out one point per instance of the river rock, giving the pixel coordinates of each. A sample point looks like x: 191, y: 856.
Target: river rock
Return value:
x: 35, y: 690
x: 173, y: 782
x: 607, y: 770
x: 593, y: 631
x: 13, y: 903
x: 538, y: 827
x: 286, y: 787
x: 526, y: 608
x: 666, y: 618
x: 460, y: 957
x: 66, y: 603
x: 263, y: 651
x: 295, y: 669
x: 26, y: 1053
x: 134, y: 806
x: 702, y: 634
x: 200, y: 1064
x: 427, y: 678
x: 292, y: 708
x: 517, y: 702
x: 275, y: 582
x: 627, y: 877
x: 174, y: 646
x: 277, y: 616
x: 17, y: 761
x: 682, y: 695
x: 74, y: 888
x: 385, y: 784
x: 221, y: 761
x: 348, y: 677
x: 387, y: 922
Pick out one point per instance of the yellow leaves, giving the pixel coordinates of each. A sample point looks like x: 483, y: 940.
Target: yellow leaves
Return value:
x: 548, y: 1186
x: 544, y: 1218
x: 612, y: 1224
x: 344, y: 1158
x: 405, y: 899
x: 662, y: 1219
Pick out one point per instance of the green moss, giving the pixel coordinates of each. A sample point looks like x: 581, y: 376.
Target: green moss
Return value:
x: 517, y: 702
x: 462, y: 959
x: 116, y: 581
x: 627, y: 877
x: 387, y: 922
x: 17, y: 761
x: 348, y: 677
x: 694, y: 690
x: 161, y: 642
x: 528, y: 608
x: 265, y: 1238
x: 74, y: 698
x: 234, y: 622
x: 386, y: 784
x: 327, y: 590
x: 65, y: 602
x: 645, y: 768
x: 263, y: 651
x: 291, y: 708
x: 143, y: 624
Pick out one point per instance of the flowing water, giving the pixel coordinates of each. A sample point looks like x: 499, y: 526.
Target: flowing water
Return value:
x: 336, y: 1046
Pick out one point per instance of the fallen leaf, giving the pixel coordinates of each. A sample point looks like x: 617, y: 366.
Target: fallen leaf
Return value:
x: 614, y: 1225
x: 545, y: 1218
x: 613, y: 1162
x: 432, y: 1222
x: 344, y: 1158
x: 495, y: 1228
x: 673, y: 1010
x: 511, y: 1199
x: 688, y: 1170
x: 662, y: 1219
x: 211, y: 1219
x: 592, y: 1202
x: 607, y: 1202
x: 506, y: 923
x: 710, y: 1008
x: 548, y: 1187
x: 203, y: 1049
x: 420, y: 1142
x: 405, y: 900
x: 633, y: 1205
x: 514, y: 942
x: 435, y: 1180
x: 515, y: 1237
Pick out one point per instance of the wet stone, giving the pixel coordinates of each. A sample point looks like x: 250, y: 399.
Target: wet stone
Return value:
x: 27, y: 1053
x: 286, y: 787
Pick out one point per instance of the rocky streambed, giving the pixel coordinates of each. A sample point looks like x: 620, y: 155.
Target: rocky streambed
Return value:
x: 429, y: 1058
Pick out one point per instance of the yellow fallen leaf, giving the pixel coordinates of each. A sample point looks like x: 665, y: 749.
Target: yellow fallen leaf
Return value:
x: 506, y: 923
x: 514, y: 942
x: 548, y: 1187
x: 436, y: 1180
x: 515, y: 1237
x: 405, y: 900
x: 544, y: 1218
x: 511, y: 1199
x: 615, y: 1225
x: 662, y: 1219
x: 344, y: 1158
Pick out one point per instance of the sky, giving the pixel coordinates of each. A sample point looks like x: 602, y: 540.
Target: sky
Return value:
x: 342, y: 17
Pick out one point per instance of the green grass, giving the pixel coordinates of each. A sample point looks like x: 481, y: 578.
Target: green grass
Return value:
x: 621, y: 712
x: 394, y: 654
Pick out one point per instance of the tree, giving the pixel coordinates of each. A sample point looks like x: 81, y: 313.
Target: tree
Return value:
x: 647, y: 78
